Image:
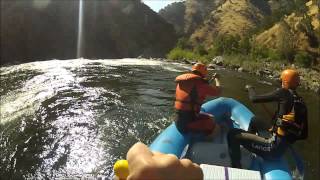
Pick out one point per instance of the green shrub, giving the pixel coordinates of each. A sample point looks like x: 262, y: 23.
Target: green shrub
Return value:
x: 244, y: 46
x: 183, y: 43
x: 218, y: 46
x: 180, y: 54
x: 225, y: 44
x: 212, y: 53
x: 274, y: 55
x: 200, y: 50
x: 303, y: 59
x: 258, y: 52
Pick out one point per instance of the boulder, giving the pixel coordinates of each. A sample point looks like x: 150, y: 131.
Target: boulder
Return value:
x: 187, y: 61
x: 218, y: 60
x: 264, y: 72
x: 212, y: 66
x: 235, y: 66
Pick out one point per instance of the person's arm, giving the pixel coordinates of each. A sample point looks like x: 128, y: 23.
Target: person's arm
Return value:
x: 216, y: 85
x: 144, y: 164
x: 268, y: 97
x: 216, y: 78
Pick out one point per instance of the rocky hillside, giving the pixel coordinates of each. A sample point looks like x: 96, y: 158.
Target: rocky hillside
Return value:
x: 34, y: 30
x: 236, y: 18
x: 174, y: 14
x: 48, y: 29
x: 285, y: 30
x: 290, y: 33
x: 187, y: 15
x: 196, y: 12
x: 132, y: 27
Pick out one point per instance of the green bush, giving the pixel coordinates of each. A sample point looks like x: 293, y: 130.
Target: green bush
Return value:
x: 183, y: 43
x: 218, y: 47
x: 274, y: 55
x: 244, y: 46
x: 200, y: 50
x: 212, y: 53
x: 303, y: 59
x: 231, y: 44
x: 258, y: 52
x: 180, y: 54
x: 225, y: 44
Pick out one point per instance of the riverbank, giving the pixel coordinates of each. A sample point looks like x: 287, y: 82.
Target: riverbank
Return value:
x: 267, y: 68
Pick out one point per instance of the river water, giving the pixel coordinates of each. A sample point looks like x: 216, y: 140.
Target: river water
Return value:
x: 75, y: 118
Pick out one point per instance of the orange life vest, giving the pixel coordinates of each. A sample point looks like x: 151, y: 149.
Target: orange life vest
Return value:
x: 186, y: 92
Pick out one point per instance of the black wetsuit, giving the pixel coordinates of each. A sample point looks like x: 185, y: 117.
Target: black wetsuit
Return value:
x: 269, y: 148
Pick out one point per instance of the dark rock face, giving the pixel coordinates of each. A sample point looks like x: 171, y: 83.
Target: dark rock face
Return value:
x: 31, y: 31
x: 48, y: 29
x: 174, y: 14
x: 196, y: 12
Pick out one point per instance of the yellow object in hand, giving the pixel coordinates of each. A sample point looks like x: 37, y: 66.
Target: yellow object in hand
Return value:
x: 121, y: 169
x: 289, y: 117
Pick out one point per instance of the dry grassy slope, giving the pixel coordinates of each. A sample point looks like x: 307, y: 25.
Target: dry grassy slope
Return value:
x: 196, y: 11
x: 314, y: 14
x: 292, y: 25
x: 234, y: 17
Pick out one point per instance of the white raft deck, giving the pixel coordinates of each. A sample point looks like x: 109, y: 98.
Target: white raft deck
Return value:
x: 214, y: 159
x: 212, y: 172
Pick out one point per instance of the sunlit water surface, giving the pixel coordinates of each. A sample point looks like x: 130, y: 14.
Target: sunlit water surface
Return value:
x: 74, y: 118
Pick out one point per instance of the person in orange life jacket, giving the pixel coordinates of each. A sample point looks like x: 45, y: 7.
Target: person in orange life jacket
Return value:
x: 191, y: 90
x: 290, y: 122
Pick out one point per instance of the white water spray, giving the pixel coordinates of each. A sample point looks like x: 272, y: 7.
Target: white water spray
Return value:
x: 80, y: 28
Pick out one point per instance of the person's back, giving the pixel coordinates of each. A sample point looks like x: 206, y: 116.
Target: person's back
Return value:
x: 192, y: 89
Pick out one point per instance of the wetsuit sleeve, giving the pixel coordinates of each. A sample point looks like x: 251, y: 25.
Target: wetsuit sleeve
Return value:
x: 268, y: 97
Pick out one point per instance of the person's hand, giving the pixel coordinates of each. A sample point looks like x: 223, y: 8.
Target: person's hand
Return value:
x: 144, y: 164
x: 215, y: 75
x: 247, y: 87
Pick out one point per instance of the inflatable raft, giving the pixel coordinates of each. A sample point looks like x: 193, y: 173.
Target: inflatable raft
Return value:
x: 213, y: 155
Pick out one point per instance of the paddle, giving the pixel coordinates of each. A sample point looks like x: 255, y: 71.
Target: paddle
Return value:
x: 298, y: 159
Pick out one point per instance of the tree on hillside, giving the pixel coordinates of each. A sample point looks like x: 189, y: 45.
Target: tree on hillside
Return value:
x: 244, y: 45
x: 183, y: 43
x: 226, y: 44
x: 285, y: 44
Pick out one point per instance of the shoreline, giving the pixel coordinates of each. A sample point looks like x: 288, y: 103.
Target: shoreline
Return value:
x: 266, y: 69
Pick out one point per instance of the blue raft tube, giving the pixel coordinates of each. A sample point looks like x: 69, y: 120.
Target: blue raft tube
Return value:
x: 226, y: 110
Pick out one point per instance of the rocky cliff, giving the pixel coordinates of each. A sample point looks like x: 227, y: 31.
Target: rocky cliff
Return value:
x: 35, y: 30
x: 174, y: 14
x: 235, y: 18
x: 48, y: 29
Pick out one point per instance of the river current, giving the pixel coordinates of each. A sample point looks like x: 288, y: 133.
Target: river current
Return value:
x: 75, y: 118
